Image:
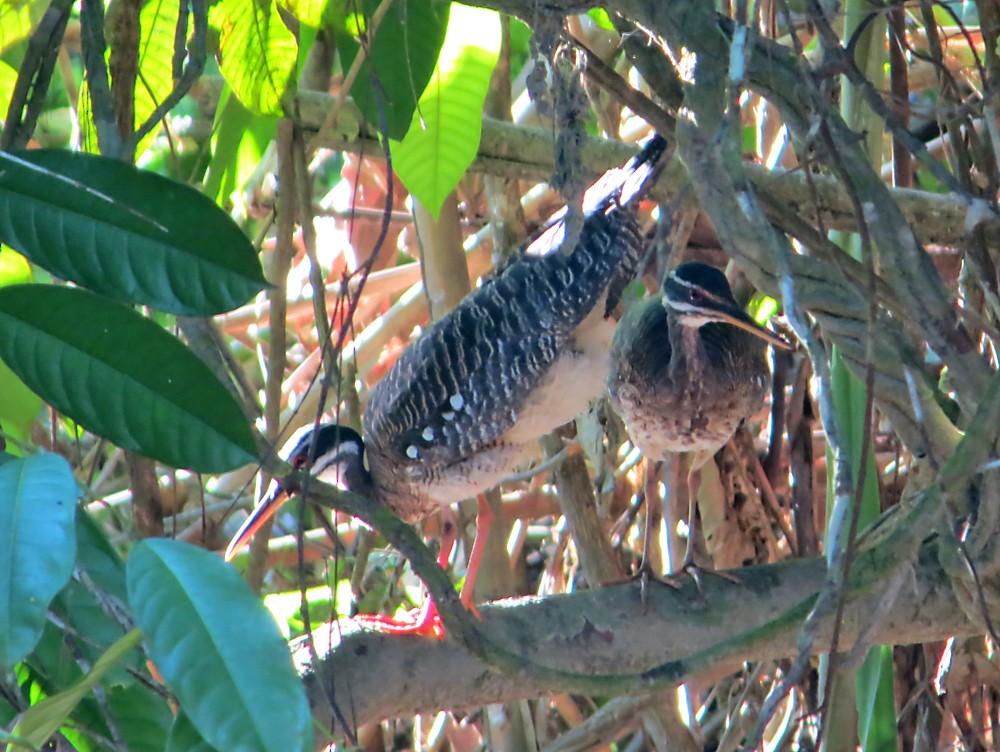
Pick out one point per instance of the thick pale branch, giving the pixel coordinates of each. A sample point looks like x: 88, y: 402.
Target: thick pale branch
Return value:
x: 521, y: 152
x: 608, y: 631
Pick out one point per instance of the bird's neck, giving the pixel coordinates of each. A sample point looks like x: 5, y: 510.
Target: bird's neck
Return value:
x: 686, y: 346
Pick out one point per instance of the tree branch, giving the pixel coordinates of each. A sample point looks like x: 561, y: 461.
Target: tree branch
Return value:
x: 608, y: 631
x: 521, y: 152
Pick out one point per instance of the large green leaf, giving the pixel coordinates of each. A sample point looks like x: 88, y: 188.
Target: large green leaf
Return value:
x: 128, y: 234
x: 38, y: 541
x: 444, y: 136
x: 41, y: 721
x: 121, y: 376
x: 218, y: 649
x: 402, y: 55
x: 257, y: 53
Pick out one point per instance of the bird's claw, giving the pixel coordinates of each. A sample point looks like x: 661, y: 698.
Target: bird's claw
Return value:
x: 424, y: 621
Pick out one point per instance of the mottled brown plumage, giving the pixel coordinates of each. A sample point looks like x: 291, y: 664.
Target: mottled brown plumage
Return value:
x: 688, y: 367
x: 682, y: 383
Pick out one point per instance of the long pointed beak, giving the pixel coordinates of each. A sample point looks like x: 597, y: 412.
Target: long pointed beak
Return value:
x: 738, y: 317
x: 264, y: 510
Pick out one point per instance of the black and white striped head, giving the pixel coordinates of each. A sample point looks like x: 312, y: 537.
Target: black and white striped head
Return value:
x: 696, y: 294
x: 332, y: 453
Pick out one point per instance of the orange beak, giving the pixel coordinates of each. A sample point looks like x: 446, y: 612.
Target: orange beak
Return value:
x: 744, y: 321
x: 264, y: 510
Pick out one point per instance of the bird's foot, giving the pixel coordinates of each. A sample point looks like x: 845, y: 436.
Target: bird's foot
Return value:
x: 690, y: 568
x: 424, y: 621
x: 644, y: 575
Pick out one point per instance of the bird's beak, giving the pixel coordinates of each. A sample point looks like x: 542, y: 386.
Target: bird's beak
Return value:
x: 264, y: 510
x: 739, y: 317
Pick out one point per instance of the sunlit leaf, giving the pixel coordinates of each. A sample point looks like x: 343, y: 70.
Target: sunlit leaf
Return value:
x: 316, y: 13
x: 258, y: 53
x: 158, y: 25
x: 444, y: 136
x: 8, y: 80
x: 18, y: 19
x: 19, y: 406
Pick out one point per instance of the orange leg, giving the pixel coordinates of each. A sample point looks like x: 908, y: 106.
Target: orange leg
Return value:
x: 426, y: 620
x: 484, y: 521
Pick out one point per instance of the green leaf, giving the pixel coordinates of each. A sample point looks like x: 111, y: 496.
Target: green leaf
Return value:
x: 141, y: 716
x: 37, y: 502
x: 201, y: 622
x: 18, y: 18
x: 128, y: 234
x: 876, y: 700
x: 52, y: 667
x: 316, y: 13
x: 85, y: 116
x: 240, y: 140
x: 184, y: 737
x: 98, y: 558
x: 121, y: 376
x: 158, y: 25
x: 444, y: 137
x: 8, y: 80
x: 80, y: 608
x: 258, y: 53
x: 601, y: 18
x: 19, y: 406
x: 42, y: 720
x: 402, y: 55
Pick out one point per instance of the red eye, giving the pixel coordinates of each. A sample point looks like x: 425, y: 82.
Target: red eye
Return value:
x: 695, y: 295
x: 299, y: 461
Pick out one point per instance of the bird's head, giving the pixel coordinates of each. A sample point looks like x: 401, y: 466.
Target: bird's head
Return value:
x: 696, y: 294
x: 331, y: 453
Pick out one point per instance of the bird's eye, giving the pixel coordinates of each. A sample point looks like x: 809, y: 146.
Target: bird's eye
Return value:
x: 299, y: 461
x: 695, y: 295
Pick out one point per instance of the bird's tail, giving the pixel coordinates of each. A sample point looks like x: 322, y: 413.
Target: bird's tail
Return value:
x: 617, y: 196
x: 631, y: 181
x: 645, y: 168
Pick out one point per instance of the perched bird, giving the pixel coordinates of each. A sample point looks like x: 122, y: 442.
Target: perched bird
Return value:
x: 687, y: 368
x: 518, y: 357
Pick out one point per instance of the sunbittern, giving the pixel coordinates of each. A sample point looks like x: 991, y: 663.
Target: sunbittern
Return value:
x: 687, y: 368
x: 518, y: 357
